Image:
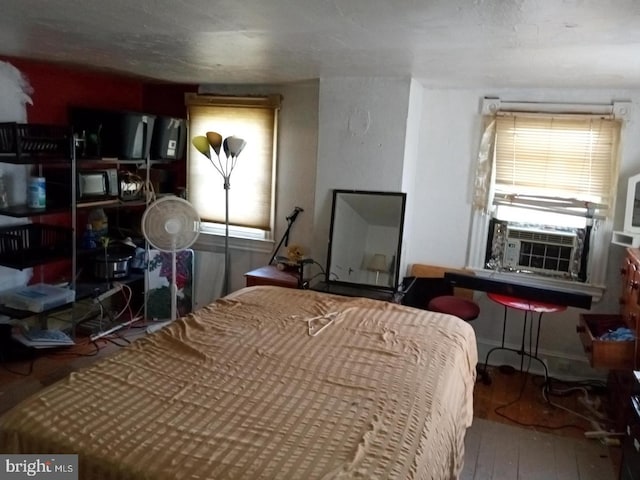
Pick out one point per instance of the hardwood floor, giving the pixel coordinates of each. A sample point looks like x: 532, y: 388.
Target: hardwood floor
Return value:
x: 496, y: 451
x: 19, y: 379
x: 515, y: 399
x: 518, y: 399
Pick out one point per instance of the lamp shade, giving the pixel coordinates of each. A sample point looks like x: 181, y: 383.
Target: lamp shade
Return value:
x: 233, y: 146
x: 215, y: 140
x: 378, y: 263
x: 202, y: 145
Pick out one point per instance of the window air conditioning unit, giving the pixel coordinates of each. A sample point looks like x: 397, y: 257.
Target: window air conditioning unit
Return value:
x: 545, y: 251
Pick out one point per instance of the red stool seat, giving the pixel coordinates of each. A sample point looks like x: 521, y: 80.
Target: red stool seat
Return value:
x: 462, y: 308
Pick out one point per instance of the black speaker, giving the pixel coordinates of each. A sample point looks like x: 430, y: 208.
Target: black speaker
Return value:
x: 169, y: 138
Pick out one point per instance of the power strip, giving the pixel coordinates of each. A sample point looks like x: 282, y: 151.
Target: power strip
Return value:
x: 112, y: 291
x: 96, y: 336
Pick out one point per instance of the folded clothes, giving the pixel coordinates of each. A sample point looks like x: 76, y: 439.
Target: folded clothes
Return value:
x: 620, y: 334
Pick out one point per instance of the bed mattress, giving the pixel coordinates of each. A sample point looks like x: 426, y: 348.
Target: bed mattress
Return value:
x: 271, y: 383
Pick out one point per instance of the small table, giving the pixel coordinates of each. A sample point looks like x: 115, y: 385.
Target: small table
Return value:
x: 271, y: 275
x: 529, y: 307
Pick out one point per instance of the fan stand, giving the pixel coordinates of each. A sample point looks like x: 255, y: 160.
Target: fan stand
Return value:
x: 172, y: 227
x: 173, y: 289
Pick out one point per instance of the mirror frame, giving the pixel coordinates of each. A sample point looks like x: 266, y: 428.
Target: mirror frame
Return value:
x: 396, y: 270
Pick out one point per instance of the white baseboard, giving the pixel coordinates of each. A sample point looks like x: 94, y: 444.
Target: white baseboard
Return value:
x: 561, y: 365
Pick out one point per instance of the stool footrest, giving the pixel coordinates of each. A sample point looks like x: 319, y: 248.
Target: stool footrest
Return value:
x: 485, y: 376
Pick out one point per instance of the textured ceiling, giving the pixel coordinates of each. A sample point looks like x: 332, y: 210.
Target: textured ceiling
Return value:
x: 455, y: 43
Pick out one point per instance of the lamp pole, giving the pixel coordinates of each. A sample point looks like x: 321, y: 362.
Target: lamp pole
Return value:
x: 232, y: 147
x: 227, y: 263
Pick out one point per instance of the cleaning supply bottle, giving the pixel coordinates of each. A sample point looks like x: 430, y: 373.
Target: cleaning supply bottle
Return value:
x: 99, y: 223
x: 89, y: 238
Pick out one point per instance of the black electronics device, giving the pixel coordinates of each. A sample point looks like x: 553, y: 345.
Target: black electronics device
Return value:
x: 556, y: 297
x: 111, y: 133
x: 169, y: 138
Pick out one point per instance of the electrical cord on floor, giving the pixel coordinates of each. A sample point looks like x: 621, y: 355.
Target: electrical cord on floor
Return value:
x: 319, y: 274
x: 588, y: 384
x: 520, y: 394
x: 128, y: 294
x: 70, y: 354
x: 121, y: 336
x: 592, y: 421
x: 586, y: 399
x: 598, y: 418
x: 111, y: 340
x: 16, y: 372
x: 533, y: 425
x: 545, y: 387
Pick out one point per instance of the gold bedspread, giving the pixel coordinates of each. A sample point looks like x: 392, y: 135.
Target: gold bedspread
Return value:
x: 240, y: 389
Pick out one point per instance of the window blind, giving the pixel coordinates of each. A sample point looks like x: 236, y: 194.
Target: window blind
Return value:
x: 556, y: 156
x: 251, y: 190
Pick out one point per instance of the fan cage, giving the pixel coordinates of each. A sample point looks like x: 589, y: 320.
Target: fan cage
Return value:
x: 164, y: 213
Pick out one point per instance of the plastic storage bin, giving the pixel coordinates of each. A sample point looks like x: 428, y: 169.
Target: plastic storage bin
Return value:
x: 24, y: 246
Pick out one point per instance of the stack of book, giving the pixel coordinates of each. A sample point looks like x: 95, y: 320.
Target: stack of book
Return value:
x: 43, y: 338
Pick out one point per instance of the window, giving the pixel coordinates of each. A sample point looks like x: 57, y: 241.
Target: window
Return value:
x: 544, y: 193
x: 251, y: 191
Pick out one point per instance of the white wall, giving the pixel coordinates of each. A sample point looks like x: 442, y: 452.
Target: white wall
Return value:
x: 441, y: 208
x: 410, y: 182
x: 361, y: 142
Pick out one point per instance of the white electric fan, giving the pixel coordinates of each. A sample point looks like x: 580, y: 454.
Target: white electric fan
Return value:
x: 170, y: 224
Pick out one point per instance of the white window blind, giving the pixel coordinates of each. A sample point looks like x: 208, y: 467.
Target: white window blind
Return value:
x: 251, y: 192
x: 570, y: 157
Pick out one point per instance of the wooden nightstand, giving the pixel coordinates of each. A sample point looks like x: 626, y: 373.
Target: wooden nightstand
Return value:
x: 270, y: 275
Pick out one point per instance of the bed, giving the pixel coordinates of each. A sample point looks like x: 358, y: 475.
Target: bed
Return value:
x: 267, y: 382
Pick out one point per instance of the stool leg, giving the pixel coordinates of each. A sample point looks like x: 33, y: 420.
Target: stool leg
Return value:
x: 522, y: 350
x: 504, y: 324
x: 538, y: 334
x: 484, y: 375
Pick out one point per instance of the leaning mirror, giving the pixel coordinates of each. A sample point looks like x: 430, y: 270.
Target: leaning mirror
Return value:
x: 365, y: 238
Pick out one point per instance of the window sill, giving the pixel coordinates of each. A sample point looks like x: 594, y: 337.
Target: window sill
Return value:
x: 595, y: 291
x: 211, y: 241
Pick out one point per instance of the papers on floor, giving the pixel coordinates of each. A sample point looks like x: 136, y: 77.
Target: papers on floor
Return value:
x: 43, y: 338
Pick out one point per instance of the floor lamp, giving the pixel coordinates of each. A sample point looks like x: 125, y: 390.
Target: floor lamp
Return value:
x: 232, y: 147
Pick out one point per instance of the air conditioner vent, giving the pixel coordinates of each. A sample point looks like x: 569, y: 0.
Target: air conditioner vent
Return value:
x: 538, y: 250
x: 541, y: 237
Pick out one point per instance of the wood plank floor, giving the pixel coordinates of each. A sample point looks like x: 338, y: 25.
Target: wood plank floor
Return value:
x: 513, y: 400
x: 517, y: 399
x: 531, y: 435
x: 496, y: 451
x: 19, y: 379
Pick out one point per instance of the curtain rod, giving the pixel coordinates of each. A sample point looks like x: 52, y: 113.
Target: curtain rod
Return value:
x: 615, y: 109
